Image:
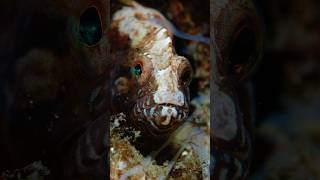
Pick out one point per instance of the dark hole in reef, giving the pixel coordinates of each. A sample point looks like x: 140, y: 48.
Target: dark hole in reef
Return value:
x: 167, y: 154
x: 243, y: 47
x: 90, y: 26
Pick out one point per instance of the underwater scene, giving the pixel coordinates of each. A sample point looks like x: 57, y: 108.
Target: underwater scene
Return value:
x: 159, y: 89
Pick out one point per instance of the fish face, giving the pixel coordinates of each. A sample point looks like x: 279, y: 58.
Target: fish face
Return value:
x: 157, y: 101
x: 163, y: 77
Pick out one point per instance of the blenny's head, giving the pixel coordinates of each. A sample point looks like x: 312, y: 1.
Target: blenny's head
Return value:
x: 157, y: 88
x: 163, y: 77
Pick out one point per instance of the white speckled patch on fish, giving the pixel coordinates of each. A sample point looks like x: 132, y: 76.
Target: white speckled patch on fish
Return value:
x: 156, y: 42
x: 137, y: 27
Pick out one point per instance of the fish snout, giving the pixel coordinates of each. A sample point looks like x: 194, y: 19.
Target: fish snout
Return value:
x: 166, y: 97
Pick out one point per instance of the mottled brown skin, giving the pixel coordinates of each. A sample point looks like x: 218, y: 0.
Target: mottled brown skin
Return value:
x: 47, y: 77
x: 134, y: 95
x: 129, y: 90
x: 230, y: 19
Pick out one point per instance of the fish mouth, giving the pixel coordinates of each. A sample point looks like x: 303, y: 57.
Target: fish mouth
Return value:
x: 158, y: 119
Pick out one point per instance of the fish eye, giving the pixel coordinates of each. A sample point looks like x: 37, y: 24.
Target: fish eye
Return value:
x: 137, y: 70
x: 90, y: 26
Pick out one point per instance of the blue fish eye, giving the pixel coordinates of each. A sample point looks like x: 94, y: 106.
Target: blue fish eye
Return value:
x: 137, y: 70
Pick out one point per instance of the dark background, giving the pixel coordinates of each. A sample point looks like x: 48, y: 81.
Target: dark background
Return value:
x: 287, y: 92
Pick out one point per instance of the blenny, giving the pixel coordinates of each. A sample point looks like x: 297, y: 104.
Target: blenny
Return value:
x: 157, y: 79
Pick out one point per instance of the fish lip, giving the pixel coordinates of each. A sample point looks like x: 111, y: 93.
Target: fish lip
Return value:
x: 148, y: 114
